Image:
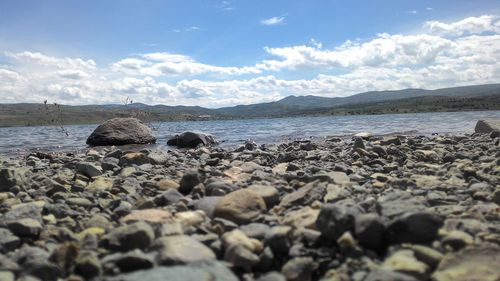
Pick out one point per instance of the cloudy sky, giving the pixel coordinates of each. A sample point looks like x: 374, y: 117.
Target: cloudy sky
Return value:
x: 222, y: 53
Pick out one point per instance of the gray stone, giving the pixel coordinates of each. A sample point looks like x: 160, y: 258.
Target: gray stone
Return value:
x: 299, y: 269
x: 189, y: 180
x: 10, y: 177
x: 268, y: 193
x: 138, y: 235
x: 87, y: 265
x: 129, y: 261
x: 272, y: 276
x: 8, y: 241
x: 199, y: 271
x: 240, y: 206
x: 120, y: 131
x: 240, y: 256
x: 168, y: 197
x: 485, y: 126
x: 414, y: 227
x: 218, y: 188
x: 473, y: 263
x: 207, y: 204
x: 335, y: 219
x: 381, y: 274
x: 88, y: 169
x: 182, y: 249
x: 369, y: 230
x: 192, y: 139
x: 25, y: 227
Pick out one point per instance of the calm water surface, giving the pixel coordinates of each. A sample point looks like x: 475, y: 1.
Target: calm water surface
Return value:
x: 20, y: 140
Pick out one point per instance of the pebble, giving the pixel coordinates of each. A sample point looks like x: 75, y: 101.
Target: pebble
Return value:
x: 241, y: 206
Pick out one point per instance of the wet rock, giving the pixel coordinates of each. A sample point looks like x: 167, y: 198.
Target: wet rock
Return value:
x: 138, y: 235
x: 181, y: 249
x: 121, y: 131
x: 416, y: 227
x: 472, y: 263
x: 337, y: 218
x: 192, y: 139
x: 241, y: 206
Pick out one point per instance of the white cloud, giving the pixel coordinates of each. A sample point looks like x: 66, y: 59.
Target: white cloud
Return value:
x: 386, y: 62
x: 429, y: 8
x: 273, y: 21
x: 471, y: 25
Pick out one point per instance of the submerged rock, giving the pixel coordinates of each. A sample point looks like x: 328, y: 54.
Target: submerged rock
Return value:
x: 121, y: 131
x: 192, y: 139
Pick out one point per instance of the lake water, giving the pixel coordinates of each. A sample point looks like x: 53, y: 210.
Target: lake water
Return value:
x: 20, y: 140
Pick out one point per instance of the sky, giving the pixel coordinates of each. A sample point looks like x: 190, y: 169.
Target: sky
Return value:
x: 224, y: 53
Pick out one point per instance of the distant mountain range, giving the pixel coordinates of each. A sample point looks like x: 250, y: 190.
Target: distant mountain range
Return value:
x: 478, y: 97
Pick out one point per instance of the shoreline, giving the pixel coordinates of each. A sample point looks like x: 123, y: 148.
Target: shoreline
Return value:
x: 384, y: 207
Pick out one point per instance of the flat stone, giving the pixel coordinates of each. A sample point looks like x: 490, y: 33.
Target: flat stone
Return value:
x: 148, y: 215
x: 241, y: 206
x: 207, y: 204
x: 479, y: 263
x: 182, y: 249
x: 134, y: 158
x: 302, y: 218
x: 166, y: 184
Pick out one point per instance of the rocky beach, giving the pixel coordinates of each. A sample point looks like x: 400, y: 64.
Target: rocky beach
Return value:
x: 360, y: 208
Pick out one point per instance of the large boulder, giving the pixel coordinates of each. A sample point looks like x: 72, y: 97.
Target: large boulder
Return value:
x: 486, y: 126
x: 192, y: 139
x: 121, y: 131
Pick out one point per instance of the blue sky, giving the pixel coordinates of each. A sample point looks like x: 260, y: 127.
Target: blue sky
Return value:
x: 218, y: 53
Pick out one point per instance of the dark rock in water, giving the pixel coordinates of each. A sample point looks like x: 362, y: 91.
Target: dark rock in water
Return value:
x: 191, y: 139
x: 416, y: 227
x: 486, y: 126
x: 121, y: 131
x: 335, y: 219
